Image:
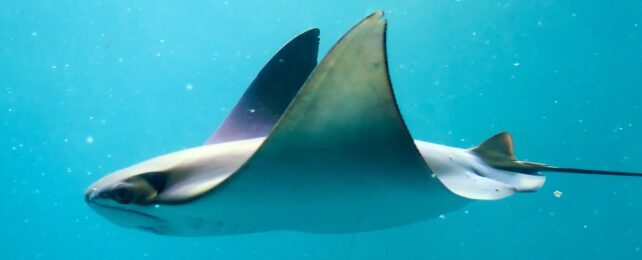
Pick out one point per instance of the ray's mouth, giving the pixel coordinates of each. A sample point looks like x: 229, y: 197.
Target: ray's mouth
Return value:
x: 143, y: 214
x: 92, y: 198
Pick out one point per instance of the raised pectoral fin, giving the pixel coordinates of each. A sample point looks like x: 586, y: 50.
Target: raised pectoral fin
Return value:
x: 272, y: 91
x: 346, y: 113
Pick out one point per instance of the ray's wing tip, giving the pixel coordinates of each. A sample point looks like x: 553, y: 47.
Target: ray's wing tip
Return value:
x: 375, y: 18
x: 312, y: 32
x: 376, y: 15
x: 312, y: 36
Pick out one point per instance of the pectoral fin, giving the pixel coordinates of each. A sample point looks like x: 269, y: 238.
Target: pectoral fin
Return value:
x: 272, y: 91
x: 346, y: 116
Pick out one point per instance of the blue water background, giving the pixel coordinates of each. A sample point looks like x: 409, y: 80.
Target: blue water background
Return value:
x: 88, y: 87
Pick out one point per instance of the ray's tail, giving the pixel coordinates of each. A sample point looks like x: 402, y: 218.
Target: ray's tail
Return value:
x: 498, y: 152
x: 548, y: 168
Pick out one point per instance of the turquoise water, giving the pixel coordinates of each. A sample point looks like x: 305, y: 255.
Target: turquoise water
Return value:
x: 88, y: 87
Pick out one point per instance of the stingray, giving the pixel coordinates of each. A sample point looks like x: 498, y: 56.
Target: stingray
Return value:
x: 314, y: 148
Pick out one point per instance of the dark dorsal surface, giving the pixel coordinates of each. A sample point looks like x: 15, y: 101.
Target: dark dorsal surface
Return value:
x: 340, y: 157
x: 344, y: 123
x: 272, y: 91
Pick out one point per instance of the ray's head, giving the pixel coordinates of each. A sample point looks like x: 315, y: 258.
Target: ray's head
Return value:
x: 150, y: 195
x: 165, y: 194
x: 142, y: 189
x: 131, y: 199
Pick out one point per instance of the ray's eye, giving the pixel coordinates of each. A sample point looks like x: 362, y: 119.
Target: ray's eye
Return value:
x: 123, y: 195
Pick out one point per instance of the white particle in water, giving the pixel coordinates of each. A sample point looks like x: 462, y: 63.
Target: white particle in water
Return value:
x: 189, y: 87
x: 441, y: 216
x: 281, y: 60
x: 466, y: 211
x: 516, y: 64
x: 635, y: 25
x: 34, y: 34
x: 585, y: 226
x: 162, y: 41
x: 54, y: 67
x: 252, y: 110
x: 89, y: 139
x: 557, y: 194
x: 156, y: 206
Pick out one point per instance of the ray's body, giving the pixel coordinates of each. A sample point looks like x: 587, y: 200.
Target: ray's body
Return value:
x: 328, y: 155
